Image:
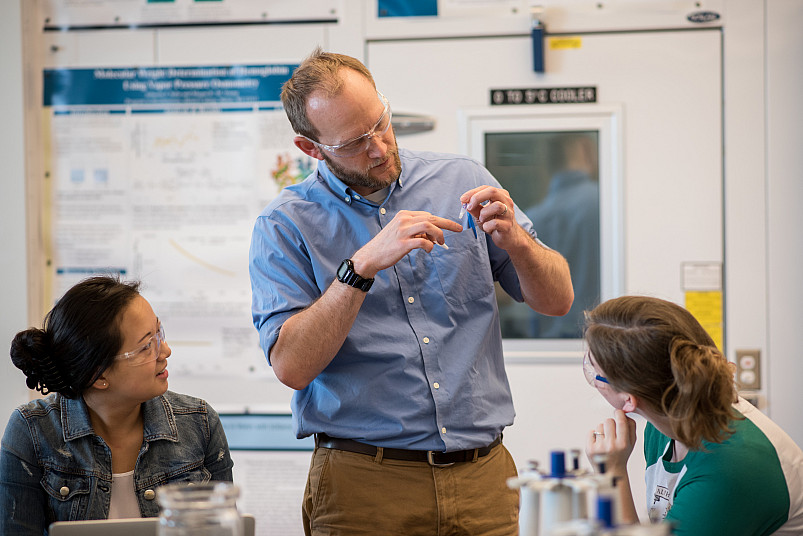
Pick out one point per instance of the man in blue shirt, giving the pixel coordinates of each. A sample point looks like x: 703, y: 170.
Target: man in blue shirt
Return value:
x: 391, y: 341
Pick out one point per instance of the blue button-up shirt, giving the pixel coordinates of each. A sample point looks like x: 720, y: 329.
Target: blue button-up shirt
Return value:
x: 422, y: 367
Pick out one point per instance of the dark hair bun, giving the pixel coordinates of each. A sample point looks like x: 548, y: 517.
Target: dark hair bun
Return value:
x: 31, y: 352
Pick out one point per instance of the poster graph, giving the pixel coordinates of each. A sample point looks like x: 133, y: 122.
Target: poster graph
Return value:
x: 158, y: 174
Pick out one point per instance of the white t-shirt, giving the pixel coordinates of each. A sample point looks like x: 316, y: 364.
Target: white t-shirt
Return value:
x: 123, y: 503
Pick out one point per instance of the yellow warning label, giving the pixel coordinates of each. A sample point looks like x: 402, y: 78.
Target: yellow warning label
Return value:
x: 559, y: 43
x: 706, y: 306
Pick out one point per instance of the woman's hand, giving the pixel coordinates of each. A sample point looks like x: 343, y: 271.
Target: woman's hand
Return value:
x: 615, y: 438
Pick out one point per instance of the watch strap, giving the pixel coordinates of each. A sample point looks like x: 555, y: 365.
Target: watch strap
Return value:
x: 347, y: 275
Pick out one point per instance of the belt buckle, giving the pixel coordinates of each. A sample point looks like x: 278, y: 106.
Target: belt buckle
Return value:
x: 433, y: 463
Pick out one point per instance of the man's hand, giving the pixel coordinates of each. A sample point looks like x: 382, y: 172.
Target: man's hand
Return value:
x: 408, y: 230
x: 543, y: 273
x: 494, y: 209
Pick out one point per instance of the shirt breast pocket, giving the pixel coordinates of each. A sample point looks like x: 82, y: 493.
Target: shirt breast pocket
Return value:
x: 464, y: 269
x: 190, y: 473
x: 68, y: 493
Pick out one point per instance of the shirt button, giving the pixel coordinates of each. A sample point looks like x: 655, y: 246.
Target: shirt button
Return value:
x: 426, y: 340
x: 64, y: 491
x: 149, y: 494
x: 443, y: 430
x: 382, y: 210
x: 347, y: 199
x: 357, y: 196
x: 436, y: 385
x: 410, y: 299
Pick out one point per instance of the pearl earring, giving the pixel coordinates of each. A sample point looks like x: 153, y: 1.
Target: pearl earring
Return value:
x: 103, y: 383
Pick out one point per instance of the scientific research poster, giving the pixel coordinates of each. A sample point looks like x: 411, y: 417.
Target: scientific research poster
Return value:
x: 158, y: 174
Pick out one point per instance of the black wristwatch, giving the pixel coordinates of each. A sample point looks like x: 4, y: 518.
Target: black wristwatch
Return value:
x: 345, y: 274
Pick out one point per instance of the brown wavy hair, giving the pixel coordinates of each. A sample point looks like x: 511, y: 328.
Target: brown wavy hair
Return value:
x: 657, y: 351
x: 320, y: 71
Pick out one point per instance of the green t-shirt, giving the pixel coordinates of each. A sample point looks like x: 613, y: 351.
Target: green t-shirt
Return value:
x: 751, y: 484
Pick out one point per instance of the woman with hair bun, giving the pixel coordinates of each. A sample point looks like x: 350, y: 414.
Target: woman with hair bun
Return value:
x: 715, y: 464
x: 110, y: 432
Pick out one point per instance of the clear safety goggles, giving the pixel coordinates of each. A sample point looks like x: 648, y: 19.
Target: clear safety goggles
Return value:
x: 360, y: 144
x: 146, y: 353
x: 591, y: 373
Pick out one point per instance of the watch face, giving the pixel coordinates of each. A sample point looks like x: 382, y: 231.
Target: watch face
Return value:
x: 345, y: 267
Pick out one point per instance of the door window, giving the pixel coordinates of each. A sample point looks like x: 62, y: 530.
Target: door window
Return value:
x: 554, y: 178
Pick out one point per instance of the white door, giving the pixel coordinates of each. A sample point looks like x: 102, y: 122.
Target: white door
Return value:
x: 665, y: 90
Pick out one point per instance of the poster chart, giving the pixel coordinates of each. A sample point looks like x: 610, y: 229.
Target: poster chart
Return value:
x: 60, y: 14
x: 158, y: 174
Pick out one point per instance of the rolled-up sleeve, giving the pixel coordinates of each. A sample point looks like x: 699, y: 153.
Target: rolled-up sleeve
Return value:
x: 282, y: 279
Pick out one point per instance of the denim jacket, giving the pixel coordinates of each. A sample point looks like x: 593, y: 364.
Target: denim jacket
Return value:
x: 54, y: 468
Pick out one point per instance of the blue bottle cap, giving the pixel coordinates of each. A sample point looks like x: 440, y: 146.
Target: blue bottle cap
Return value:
x: 605, y: 512
x: 558, y: 467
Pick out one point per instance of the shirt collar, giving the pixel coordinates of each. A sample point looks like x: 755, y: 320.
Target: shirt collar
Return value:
x: 74, y: 418
x: 159, y: 422
x: 345, y: 193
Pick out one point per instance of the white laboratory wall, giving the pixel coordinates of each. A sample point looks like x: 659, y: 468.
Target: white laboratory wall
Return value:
x: 784, y: 216
x: 13, y: 277
x: 763, y: 59
x: 763, y: 253
x: 745, y: 270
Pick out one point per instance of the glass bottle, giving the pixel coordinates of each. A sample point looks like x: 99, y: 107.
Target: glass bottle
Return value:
x: 207, y: 509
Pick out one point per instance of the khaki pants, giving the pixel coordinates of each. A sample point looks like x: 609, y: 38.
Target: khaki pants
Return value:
x: 352, y: 494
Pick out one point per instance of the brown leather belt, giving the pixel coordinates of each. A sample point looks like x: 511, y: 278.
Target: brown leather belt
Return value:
x: 432, y: 457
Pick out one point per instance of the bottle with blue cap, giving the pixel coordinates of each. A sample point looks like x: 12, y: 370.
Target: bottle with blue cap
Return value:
x: 557, y: 496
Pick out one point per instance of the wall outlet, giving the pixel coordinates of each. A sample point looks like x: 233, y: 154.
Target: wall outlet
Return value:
x: 748, y: 369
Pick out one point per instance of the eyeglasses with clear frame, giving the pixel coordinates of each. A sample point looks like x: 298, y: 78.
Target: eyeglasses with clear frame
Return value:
x: 360, y: 144
x: 591, y: 373
x: 146, y: 353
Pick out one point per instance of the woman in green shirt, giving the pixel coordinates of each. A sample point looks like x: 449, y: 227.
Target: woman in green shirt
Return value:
x: 715, y: 464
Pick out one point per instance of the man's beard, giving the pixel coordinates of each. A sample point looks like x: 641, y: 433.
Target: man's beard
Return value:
x: 361, y: 178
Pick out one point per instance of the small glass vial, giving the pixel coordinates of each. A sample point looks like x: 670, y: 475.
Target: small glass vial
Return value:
x: 207, y: 509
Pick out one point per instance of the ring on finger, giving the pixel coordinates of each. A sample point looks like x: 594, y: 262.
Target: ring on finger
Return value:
x: 504, y: 211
